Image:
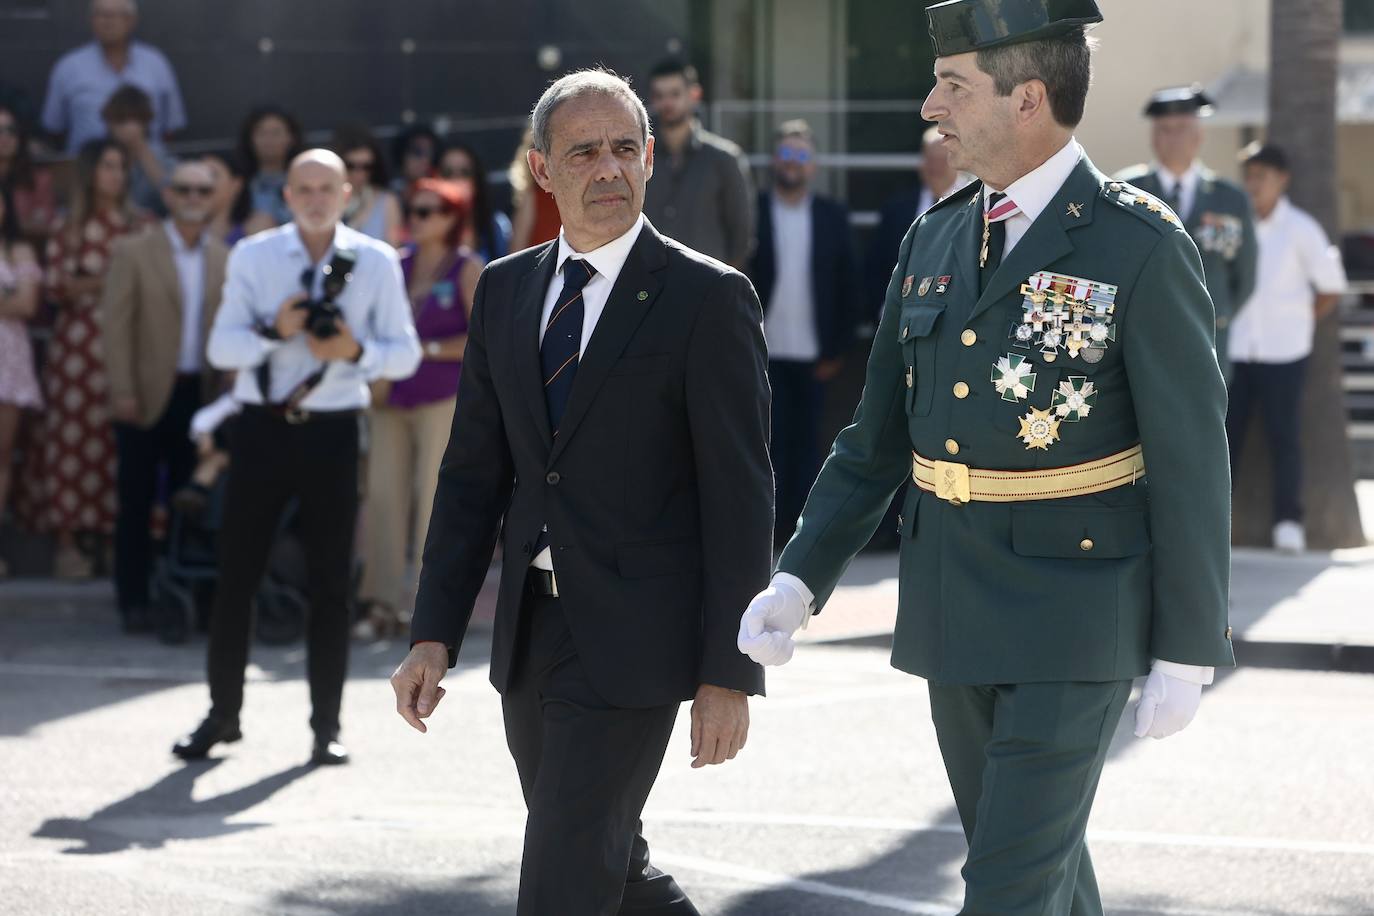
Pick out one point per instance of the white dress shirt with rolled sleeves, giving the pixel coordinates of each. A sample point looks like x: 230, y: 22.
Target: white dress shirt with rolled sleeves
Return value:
x: 264, y: 271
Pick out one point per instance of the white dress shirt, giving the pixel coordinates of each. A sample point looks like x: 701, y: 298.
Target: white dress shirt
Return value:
x: 264, y: 270
x: 1034, y: 190
x: 190, y: 266
x: 1189, y: 181
x: 790, y: 328
x: 608, y: 260
x: 1295, y: 259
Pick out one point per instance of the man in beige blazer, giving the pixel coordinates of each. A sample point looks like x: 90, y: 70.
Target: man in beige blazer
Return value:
x: 159, y: 302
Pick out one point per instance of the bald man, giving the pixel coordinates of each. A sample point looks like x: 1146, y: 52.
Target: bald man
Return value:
x: 312, y: 312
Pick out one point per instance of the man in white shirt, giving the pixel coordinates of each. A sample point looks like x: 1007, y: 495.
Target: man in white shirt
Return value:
x: 803, y: 270
x: 1300, y: 282
x: 312, y: 313
x: 159, y: 299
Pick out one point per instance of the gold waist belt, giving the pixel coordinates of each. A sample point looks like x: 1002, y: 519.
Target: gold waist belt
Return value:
x: 959, y: 483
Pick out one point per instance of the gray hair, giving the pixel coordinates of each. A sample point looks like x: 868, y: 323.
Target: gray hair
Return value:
x: 1063, y: 64
x: 576, y: 85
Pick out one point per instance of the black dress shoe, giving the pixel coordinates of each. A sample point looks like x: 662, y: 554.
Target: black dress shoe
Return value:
x: 211, y: 732
x: 328, y: 752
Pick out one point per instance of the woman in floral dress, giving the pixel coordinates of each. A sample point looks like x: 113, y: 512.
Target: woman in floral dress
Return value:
x: 78, y: 449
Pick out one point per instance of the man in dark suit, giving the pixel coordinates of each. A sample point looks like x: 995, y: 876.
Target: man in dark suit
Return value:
x: 612, y: 424
x: 804, y: 271
x: 937, y: 179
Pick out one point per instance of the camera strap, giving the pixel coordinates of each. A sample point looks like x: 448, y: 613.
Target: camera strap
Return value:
x: 337, y: 273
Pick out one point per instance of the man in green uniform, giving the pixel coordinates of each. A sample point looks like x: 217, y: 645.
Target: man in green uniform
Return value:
x: 1042, y: 383
x: 1216, y: 212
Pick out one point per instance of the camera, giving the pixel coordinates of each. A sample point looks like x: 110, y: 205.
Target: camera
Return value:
x: 322, y: 315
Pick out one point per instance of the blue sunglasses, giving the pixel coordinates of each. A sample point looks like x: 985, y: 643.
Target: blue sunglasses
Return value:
x: 791, y: 154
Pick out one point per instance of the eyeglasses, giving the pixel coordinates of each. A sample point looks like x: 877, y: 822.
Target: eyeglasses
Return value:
x: 356, y: 165
x: 791, y: 154
x: 187, y: 190
x: 424, y: 213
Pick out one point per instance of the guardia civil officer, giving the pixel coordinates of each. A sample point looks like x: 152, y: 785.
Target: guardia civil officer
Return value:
x: 1216, y: 212
x: 1042, y: 384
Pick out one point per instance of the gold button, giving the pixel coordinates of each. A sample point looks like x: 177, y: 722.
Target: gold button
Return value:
x: 961, y: 390
x: 1086, y: 544
x: 951, y: 446
x: 969, y: 337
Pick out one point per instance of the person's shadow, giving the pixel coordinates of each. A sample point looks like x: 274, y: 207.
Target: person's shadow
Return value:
x: 165, y: 811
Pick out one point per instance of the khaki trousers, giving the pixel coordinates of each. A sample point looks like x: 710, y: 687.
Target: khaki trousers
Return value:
x: 407, y: 446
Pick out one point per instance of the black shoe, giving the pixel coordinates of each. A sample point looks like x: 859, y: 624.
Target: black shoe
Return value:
x: 137, y: 619
x: 328, y: 752
x: 211, y: 732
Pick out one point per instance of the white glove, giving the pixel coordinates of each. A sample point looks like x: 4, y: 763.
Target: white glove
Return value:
x: 766, y: 628
x: 1172, y: 695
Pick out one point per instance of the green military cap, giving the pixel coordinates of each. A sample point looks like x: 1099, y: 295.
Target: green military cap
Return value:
x: 1179, y: 100
x: 960, y: 26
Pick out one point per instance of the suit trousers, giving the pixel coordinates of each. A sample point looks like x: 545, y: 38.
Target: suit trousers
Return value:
x: 586, y: 768
x: 1024, y: 762
x: 1276, y: 390
x: 796, y: 415
x: 142, y: 453
x: 406, y: 447
x: 272, y: 463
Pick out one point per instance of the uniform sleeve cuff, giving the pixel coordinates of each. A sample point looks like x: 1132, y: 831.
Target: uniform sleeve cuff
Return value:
x: 782, y: 578
x: 1193, y: 674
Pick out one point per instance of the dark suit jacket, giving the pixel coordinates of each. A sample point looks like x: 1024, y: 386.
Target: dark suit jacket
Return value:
x: 658, y: 492
x: 834, y: 278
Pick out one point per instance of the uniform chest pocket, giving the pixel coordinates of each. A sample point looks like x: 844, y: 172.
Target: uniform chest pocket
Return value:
x: 916, y: 335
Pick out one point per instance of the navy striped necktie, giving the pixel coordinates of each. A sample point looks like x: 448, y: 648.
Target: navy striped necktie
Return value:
x: 562, y: 346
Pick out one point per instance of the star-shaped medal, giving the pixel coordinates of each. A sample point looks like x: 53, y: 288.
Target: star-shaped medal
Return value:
x: 1074, y: 399
x: 1039, y: 429
x: 1013, y: 377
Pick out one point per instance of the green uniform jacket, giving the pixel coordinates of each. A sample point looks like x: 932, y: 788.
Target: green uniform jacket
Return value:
x: 1222, y: 224
x: 994, y: 593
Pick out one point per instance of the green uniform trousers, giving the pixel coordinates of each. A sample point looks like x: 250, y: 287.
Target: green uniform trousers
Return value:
x: 1023, y: 761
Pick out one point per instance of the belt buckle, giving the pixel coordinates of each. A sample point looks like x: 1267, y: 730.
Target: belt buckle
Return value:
x: 295, y: 416
x: 951, y: 482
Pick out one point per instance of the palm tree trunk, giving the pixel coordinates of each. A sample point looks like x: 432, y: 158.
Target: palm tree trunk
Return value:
x: 1305, y: 49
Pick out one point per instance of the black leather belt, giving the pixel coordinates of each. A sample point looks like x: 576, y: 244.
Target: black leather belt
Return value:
x: 542, y: 583
x: 294, y: 415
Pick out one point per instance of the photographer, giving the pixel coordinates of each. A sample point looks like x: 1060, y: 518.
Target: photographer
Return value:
x: 312, y: 312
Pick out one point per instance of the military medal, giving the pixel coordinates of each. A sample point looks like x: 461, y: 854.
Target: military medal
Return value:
x: 925, y: 286
x: 906, y: 286
x: 1074, y: 399
x: 1013, y: 377
x: 942, y: 285
x: 1067, y: 313
x: 1039, y: 429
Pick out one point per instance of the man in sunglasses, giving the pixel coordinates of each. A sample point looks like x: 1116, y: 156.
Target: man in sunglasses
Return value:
x: 160, y: 298
x: 804, y: 271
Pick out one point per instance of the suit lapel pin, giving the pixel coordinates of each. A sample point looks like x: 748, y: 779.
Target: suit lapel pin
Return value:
x: 643, y: 294
x: 1076, y: 211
